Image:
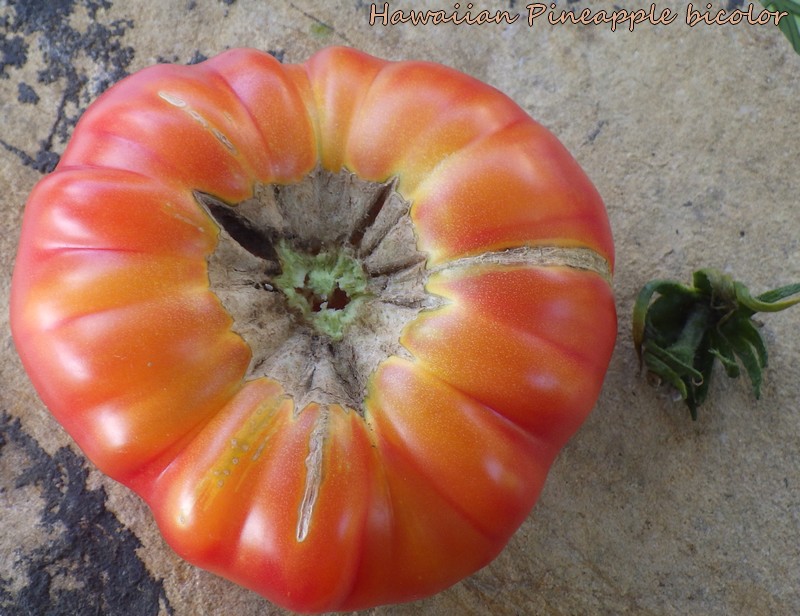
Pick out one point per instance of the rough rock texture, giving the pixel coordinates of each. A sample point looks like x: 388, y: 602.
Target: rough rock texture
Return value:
x: 691, y: 136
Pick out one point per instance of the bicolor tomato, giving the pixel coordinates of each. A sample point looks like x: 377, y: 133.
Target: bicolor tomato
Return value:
x: 332, y: 321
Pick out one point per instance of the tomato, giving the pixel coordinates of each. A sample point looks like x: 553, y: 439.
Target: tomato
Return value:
x: 331, y: 321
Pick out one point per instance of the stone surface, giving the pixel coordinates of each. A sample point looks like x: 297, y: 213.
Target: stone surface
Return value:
x: 691, y: 136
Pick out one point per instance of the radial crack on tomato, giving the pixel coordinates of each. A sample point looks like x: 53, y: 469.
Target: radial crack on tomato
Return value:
x: 577, y: 258
x: 316, y: 442
x: 332, y: 330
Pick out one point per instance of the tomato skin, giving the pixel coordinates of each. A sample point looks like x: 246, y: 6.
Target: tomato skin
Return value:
x: 484, y: 340
x: 321, y: 507
x: 547, y: 199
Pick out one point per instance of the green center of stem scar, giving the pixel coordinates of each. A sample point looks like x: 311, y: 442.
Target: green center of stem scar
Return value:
x: 325, y: 288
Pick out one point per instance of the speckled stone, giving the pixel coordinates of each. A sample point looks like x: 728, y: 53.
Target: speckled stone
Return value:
x: 691, y: 136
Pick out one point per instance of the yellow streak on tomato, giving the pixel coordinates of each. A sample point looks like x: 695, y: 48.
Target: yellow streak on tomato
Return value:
x: 227, y: 472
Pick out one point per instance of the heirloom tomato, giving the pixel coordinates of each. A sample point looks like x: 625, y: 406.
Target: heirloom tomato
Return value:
x: 332, y: 321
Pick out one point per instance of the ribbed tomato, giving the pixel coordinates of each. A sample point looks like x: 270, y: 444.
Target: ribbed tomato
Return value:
x: 332, y: 321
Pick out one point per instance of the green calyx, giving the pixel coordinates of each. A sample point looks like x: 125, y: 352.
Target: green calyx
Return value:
x: 324, y: 288
x: 679, y: 335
